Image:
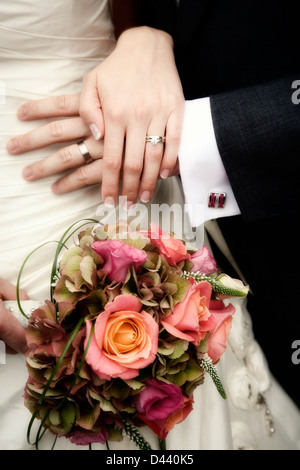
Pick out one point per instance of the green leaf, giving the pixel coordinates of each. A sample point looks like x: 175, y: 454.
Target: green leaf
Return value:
x: 74, y: 251
x: 106, y: 405
x: 71, y: 266
x: 180, y: 346
x: 192, y: 371
x: 68, y: 416
x: 183, y: 286
x: 177, y: 379
x: 87, y: 266
x: 54, y: 417
x: 88, y: 419
x: 134, y: 384
x: 62, y: 293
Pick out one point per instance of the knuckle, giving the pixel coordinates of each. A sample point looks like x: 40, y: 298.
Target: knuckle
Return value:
x: 81, y: 174
x: 65, y: 155
x: 130, y: 194
x: 116, y: 114
x: 144, y: 109
x: 62, y: 102
x: 56, y: 129
x: 133, y: 167
x: 111, y: 163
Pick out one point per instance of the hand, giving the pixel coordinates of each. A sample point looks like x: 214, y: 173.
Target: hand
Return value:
x: 135, y: 92
x: 59, y: 130
x: 11, y: 331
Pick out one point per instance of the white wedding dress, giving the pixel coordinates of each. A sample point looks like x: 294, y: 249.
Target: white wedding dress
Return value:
x: 45, y: 49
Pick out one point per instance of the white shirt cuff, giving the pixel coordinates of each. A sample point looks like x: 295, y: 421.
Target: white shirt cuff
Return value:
x: 201, y: 167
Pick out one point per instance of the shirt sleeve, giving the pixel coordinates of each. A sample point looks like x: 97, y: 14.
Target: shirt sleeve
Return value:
x: 201, y: 167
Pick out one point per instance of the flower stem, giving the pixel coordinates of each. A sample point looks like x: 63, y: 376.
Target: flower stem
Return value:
x: 162, y: 444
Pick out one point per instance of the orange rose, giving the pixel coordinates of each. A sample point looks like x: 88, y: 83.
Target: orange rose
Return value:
x: 125, y: 339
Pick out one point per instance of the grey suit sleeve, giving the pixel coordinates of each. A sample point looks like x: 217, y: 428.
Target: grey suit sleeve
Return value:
x: 258, y: 136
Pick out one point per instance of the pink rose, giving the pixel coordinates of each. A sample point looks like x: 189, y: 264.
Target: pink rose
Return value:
x: 158, y: 400
x: 172, y: 249
x: 125, y: 339
x: 117, y: 257
x: 161, y: 406
x: 203, y: 261
x: 217, y: 341
x: 191, y: 318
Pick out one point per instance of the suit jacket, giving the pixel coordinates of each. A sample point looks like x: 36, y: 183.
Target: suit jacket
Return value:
x: 244, y: 56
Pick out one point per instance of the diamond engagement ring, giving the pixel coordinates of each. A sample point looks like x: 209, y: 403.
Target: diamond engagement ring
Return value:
x: 155, y: 139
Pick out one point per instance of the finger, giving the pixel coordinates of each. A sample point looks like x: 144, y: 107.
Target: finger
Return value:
x: 152, y: 163
x: 90, y: 106
x: 173, y: 134
x: 112, y: 163
x: 9, y: 292
x: 54, y: 106
x: 133, y: 164
x: 11, y: 331
x: 56, y: 131
x: 83, y: 176
x: 64, y: 159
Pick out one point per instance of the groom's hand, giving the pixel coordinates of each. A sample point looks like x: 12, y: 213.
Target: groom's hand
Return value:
x: 11, y: 331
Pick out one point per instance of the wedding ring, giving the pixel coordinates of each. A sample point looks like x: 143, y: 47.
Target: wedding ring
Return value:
x: 155, y: 139
x: 217, y: 200
x: 84, y: 151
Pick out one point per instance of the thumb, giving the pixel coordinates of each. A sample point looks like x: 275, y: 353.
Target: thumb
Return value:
x: 90, y: 106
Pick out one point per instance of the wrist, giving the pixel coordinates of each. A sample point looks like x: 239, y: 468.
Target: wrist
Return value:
x: 145, y: 34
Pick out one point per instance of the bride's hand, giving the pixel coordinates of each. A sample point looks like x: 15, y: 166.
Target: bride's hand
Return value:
x: 11, y: 331
x: 66, y: 130
x: 139, y: 91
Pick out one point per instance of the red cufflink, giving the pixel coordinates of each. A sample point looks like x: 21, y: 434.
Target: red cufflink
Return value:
x: 217, y: 200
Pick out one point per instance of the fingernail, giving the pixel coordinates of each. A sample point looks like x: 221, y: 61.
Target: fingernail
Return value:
x: 145, y: 197
x: 12, y: 145
x: 27, y: 172
x: 95, y: 131
x: 164, y: 174
x: 109, y: 202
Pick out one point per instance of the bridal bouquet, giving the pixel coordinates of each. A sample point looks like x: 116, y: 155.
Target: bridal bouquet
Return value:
x: 134, y: 323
